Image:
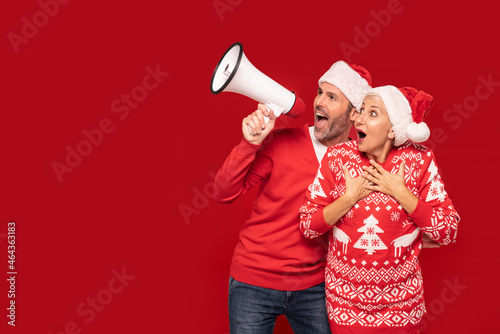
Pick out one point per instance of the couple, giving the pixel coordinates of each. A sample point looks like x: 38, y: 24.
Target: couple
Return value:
x: 362, y: 221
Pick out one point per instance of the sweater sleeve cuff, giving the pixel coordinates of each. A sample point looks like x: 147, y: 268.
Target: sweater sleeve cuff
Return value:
x: 422, y: 213
x: 318, y: 223
x: 246, y: 147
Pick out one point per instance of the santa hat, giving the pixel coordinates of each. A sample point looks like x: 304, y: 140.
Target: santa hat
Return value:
x: 407, y: 108
x: 353, y: 81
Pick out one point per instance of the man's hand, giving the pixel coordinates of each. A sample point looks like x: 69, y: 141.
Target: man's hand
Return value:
x: 427, y: 242
x: 257, y: 124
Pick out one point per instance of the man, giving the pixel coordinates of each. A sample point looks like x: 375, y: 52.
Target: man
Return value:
x: 275, y: 270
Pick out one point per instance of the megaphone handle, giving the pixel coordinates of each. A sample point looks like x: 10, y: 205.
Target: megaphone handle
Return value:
x: 278, y: 110
x: 266, y: 120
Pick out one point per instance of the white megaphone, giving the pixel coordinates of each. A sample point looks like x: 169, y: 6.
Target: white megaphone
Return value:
x: 234, y: 73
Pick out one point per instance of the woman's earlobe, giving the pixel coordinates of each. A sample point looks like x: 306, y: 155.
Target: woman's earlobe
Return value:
x: 391, y: 134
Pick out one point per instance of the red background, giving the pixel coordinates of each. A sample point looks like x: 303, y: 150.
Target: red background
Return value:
x: 121, y: 207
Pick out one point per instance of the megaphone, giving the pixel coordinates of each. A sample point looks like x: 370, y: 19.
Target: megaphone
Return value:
x: 234, y: 73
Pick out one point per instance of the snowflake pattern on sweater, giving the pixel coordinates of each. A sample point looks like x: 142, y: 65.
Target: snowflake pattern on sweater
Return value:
x: 373, y: 277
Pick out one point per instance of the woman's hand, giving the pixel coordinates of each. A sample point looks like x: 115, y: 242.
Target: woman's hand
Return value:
x: 355, y: 187
x: 384, y: 181
x: 391, y: 184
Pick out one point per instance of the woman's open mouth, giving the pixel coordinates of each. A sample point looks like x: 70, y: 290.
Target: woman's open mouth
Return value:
x: 361, y: 135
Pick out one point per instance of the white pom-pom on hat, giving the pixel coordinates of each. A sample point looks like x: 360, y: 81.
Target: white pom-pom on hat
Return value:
x: 418, y: 132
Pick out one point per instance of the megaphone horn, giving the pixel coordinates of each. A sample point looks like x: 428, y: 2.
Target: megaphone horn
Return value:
x: 234, y: 73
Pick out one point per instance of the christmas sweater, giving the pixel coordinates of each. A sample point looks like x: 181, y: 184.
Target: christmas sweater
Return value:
x: 271, y: 251
x: 373, y: 278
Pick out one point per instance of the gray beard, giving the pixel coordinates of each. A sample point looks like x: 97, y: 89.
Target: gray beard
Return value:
x: 335, y: 127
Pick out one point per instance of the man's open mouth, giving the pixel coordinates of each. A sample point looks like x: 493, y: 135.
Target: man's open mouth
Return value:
x: 320, y: 116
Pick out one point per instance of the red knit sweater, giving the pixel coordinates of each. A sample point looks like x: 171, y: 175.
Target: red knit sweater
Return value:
x: 373, y: 279
x: 271, y: 251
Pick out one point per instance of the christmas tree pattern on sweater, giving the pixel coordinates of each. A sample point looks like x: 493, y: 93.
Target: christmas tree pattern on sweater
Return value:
x: 370, y: 240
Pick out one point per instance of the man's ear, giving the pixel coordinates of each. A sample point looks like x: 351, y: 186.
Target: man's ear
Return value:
x: 353, y: 115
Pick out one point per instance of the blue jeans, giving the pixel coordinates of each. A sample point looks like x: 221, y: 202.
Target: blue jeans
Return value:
x: 253, y: 310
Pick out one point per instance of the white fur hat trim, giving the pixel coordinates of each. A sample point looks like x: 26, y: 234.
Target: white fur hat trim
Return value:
x: 350, y: 83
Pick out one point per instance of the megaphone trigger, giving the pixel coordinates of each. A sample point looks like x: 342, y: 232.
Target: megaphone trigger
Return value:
x: 278, y: 110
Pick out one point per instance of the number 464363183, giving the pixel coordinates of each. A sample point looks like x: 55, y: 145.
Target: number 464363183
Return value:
x: 11, y: 248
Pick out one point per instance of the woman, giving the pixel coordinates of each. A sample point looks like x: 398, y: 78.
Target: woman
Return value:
x: 376, y: 197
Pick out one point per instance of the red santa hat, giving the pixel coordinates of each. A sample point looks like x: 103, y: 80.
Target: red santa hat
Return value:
x: 407, y: 108
x: 352, y: 80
